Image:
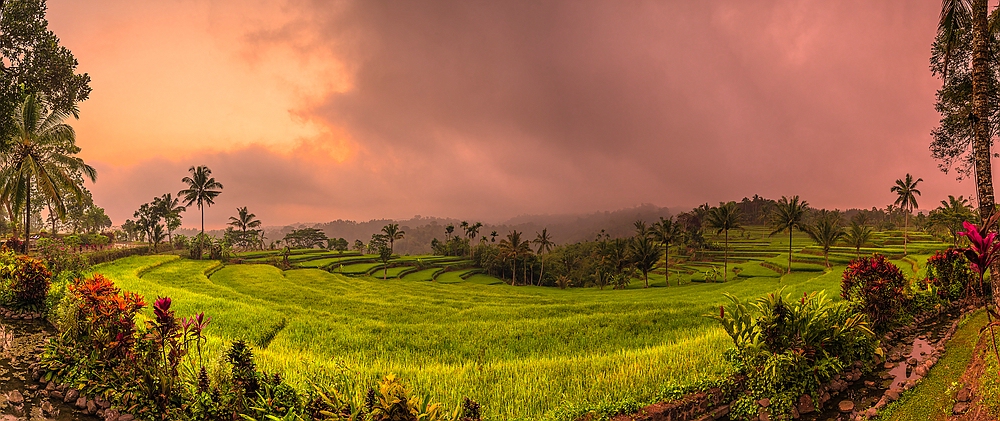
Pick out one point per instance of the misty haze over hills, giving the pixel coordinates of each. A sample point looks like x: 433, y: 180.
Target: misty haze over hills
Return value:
x: 420, y: 230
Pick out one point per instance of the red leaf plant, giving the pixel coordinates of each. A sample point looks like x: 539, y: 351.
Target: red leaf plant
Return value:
x: 983, y: 250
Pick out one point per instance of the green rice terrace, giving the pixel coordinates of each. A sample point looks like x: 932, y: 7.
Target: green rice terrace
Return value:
x: 451, y: 331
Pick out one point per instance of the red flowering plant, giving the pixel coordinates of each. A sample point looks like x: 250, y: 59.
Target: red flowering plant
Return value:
x: 877, y: 287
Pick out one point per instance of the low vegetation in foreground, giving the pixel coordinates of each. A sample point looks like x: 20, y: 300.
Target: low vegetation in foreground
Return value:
x: 523, y: 353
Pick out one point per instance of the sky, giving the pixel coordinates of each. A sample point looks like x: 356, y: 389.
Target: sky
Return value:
x: 311, y: 111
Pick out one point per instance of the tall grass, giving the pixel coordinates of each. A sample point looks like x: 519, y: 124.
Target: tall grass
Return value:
x: 523, y: 352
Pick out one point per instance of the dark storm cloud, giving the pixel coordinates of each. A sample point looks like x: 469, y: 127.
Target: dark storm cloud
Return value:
x: 605, y: 104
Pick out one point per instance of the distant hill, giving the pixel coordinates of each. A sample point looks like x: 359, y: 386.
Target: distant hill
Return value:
x: 564, y: 228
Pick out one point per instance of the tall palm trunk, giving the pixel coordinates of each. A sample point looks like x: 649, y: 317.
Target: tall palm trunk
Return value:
x: 789, y: 252
x: 27, y: 213
x: 542, y: 272
x: 725, y: 275
x: 513, y: 271
x: 980, y: 119
x: 906, y: 227
x: 666, y: 261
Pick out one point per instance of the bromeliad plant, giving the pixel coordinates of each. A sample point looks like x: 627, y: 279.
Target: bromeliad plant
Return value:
x: 788, y: 347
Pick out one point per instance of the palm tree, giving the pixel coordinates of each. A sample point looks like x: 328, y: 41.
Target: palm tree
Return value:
x: 447, y: 231
x: 641, y: 228
x: 42, y: 159
x: 171, y: 209
x: 667, y: 231
x: 545, y: 244
x: 471, y: 230
x: 723, y: 218
x: 644, y: 255
x: 951, y: 214
x: 826, y: 232
x: 906, y: 190
x: 202, y: 190
x: 787, y: 214
x: 958, y: 16
x: 393, y: 233
x: 514, y: 246
x: 857, y: 236
x: 243, y: 221
x: 156, y: 236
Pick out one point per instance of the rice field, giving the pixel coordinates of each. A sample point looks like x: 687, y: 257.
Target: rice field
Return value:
x: 524, y: 353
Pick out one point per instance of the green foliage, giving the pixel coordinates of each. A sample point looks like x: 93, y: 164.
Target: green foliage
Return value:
x: 788, y: 347
x: 950, y: 274
x: 306, y: 238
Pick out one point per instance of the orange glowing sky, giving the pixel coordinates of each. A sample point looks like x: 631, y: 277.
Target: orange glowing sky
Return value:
x: 309, y: 111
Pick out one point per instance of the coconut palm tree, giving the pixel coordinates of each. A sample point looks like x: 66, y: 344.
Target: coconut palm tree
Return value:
x: 393, y: 233
x: 964, y: 16
x: 951, y: 214
x: 202, y: 190
x: 641, y: 228
x: 545, y: 244
x: 471, y: 230
x: 667, y: 231
x: 243, y: 221
x: 643, y: 254
x: 156, y: 236
x: 826, y: 232
x: 723, y: 218
x: 906, y: 192
x: 787, y: 214
x: 513, y: 246
x: 42, y: 159
x: 170, y: 207
x: 857, y: 236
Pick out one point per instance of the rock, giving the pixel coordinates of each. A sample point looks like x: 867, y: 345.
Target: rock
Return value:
x: 111, y: 415
x: 964, y: 395
x: 888, y: 365
x: 912, y: 361
x: 762, y: 415
x: 15, y: 398
x: 960, y: 408
x: 871, y: 413
x: 50, y: 386
x: 48, y: 409
x: 892, y: 394
x: 910, y: 384
x: 858, y: 364
x: 81, y: 403
x: 764, y: 402
x: 71, y: 396
x: 846, y: 406
x: 806, y: 404
x: 920, y: 371
x: 91, y: 406
x: 55, y: 394
x: 869, y: 384
x: 126, y: 417
x: 102, y: 403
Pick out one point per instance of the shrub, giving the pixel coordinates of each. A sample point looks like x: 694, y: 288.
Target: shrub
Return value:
x: 24, y: 281
x: 877, y: 287
x: 59, y: 257
x: 30, y: 282
x: 104, y: 317
x: 788, y: 347
x: 949, y: 272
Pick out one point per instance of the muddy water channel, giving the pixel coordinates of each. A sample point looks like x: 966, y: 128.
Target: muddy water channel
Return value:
x: 21, y: 399
x: 910, y: 353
